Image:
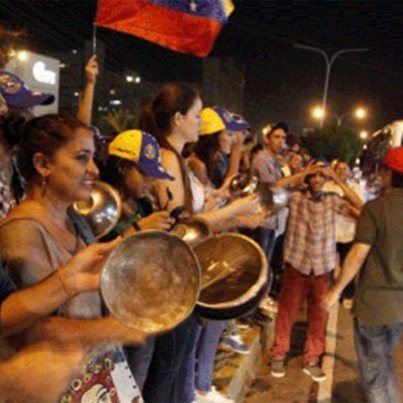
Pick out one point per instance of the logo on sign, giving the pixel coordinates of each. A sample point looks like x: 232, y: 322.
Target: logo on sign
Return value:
x: 42, y: 75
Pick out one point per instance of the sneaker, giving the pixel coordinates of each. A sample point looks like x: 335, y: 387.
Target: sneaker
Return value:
x: 234, y: 343
x: 268, y: 306
x: 277, y: 368
x: 212, y: 396
x: 315, y: 372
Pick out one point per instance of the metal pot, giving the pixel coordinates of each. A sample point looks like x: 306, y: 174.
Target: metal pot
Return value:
x: 192, y: 230
x: 234, y: 276
x: 151, y: 281
x: 243, y: 185
x: 102, y: 210
x: 272, y: 197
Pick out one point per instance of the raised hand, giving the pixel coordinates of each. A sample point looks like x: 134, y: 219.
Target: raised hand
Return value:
x: 92, y: 69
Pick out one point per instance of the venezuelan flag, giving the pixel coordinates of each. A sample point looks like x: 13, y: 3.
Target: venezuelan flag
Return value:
x: 186, y: 26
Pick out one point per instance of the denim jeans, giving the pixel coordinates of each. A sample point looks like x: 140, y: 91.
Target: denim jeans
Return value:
x: 374, y: 345
x: 139, y: 360
x: 208, y: 338
x: 172, y: 371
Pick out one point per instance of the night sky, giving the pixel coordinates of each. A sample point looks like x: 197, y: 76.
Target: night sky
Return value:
x: 282, y: 82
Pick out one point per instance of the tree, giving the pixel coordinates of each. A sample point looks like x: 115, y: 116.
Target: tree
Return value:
x: 119, y: 119
x: 331, y: 142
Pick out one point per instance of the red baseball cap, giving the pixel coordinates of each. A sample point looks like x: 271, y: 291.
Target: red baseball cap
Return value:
x: 394, y: 159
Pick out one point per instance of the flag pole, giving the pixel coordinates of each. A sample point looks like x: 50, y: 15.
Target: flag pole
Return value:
x: 94, y: 38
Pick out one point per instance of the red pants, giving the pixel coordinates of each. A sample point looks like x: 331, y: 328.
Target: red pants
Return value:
x: 295, y: 288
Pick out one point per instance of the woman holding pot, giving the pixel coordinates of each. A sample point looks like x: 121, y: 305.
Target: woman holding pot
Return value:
x: 43, y: 233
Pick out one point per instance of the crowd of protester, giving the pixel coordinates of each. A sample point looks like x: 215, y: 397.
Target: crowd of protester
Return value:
x: 182, y: 155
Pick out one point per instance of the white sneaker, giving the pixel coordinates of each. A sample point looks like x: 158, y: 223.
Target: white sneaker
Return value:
x: 212, y: 396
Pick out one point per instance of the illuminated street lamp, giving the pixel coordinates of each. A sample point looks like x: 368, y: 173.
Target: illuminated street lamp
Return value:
x: 360, y: 113
x: 363, y: 135
x: 329, y: 62
x: 319, y: 113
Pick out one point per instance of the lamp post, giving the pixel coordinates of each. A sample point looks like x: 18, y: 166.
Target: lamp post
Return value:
x: 359, y: 114
x: 329, y: 62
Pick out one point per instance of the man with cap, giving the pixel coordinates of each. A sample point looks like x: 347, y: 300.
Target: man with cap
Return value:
x: 377, y: 257
x: 267, y: 168
x: 310, y: 258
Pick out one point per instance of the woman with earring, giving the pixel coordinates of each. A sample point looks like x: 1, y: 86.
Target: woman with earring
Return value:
x: 43, y: 233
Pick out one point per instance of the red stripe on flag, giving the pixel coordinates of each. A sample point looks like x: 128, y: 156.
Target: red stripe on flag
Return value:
x: 170, y: 28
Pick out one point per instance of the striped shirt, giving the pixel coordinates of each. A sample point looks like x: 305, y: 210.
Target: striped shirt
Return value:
x: 310, y: 243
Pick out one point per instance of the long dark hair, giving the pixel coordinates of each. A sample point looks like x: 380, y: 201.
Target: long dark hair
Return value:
x: 156, y: 118
x: 207, y: 149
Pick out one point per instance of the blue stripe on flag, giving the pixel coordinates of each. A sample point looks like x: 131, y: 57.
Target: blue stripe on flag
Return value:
x: 201, y: 8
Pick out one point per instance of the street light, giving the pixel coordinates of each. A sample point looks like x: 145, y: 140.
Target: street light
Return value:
x: 329, y: 62
x: 359, y: 113
x: 364, y: 135
x: 318, y: 113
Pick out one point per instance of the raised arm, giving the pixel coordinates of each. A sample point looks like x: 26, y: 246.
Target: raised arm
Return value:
x: 85, y: 108
x: 353, y: 197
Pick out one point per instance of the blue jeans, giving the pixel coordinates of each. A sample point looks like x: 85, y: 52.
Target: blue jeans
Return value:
x: 139, y: 360
x: 172, y: 370
x: 208, y: 338
x: 374, y: 345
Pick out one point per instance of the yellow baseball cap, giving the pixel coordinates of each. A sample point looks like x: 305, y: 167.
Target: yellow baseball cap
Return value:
x: 211, y: 122
x: 141, y: 148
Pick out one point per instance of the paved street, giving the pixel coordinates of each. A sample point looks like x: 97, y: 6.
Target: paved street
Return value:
x: 340, y: 364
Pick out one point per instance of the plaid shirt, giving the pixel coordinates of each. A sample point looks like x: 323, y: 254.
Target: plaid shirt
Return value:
x: 310, y: 243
